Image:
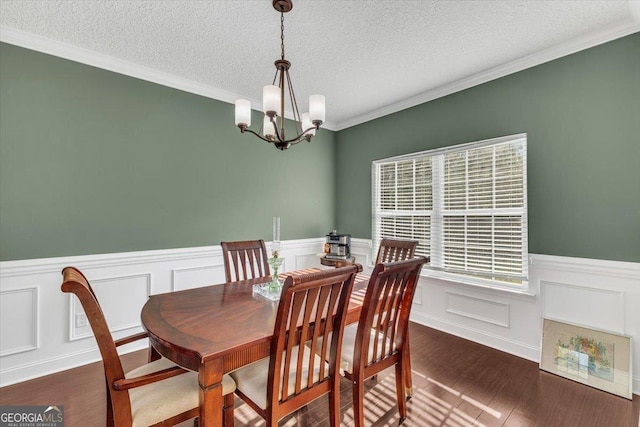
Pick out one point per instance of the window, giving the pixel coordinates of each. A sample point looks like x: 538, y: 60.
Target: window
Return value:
x: 466, y: 205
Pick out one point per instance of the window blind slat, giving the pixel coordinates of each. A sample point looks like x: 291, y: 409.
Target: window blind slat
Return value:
x: 470, y: 201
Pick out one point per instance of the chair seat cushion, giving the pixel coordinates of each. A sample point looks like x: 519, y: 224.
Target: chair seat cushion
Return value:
x: 252, y: 379
x: 158, y: 401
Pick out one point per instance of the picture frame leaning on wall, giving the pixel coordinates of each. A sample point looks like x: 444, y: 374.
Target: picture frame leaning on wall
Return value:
x: 597, y: 358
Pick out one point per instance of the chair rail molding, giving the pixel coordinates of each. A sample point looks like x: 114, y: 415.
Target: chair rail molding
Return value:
x: 42, y: 344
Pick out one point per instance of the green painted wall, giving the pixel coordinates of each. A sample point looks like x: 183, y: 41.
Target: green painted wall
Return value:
x: 582, y: 117
x: 96, y: 162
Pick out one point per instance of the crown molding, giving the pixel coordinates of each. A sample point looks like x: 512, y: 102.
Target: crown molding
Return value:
x: 546, y: 55
x: 110, y: 63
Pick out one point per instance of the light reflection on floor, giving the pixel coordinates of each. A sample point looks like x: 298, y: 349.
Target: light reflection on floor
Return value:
x: 425, y: 408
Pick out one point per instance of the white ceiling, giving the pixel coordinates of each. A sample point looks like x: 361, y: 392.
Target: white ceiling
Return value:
x: 369, y: 58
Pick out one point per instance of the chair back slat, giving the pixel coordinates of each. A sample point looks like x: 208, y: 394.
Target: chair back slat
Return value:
x: 392, y: 250
x: 312, y: 308
x: 292, y: 340
x: 384, y: 318
x: 322, y: 334
x: 245, y: 260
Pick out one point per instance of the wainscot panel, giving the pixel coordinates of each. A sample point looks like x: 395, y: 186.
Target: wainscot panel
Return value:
x: 43, y: 329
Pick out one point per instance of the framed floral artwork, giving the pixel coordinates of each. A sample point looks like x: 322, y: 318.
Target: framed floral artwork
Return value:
x: 596, y: 358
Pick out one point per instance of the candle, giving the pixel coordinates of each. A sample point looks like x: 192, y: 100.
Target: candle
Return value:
x: 276, y: 228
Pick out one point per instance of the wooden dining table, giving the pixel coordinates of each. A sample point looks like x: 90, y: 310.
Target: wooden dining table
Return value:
x: 215, y: 329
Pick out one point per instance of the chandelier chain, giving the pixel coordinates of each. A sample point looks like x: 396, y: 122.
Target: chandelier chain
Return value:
x: 282, y: 32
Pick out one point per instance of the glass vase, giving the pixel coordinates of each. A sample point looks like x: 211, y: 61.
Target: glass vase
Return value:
x: 275, y: 285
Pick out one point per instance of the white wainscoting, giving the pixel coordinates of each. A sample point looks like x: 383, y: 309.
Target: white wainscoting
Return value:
x: 39, y: 334
x: 19, y: 333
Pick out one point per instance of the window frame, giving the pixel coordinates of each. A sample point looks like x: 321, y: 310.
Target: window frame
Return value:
x: 437, y: 212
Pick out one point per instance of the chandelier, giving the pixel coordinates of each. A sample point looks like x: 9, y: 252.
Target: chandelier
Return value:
x: 273, y: 102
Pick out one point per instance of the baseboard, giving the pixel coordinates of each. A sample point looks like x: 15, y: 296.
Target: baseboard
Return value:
x: 499, y: 343
x: 41, y: 368
x: 481, y: 337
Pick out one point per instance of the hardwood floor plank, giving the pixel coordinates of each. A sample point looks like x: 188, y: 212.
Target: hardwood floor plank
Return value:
x: 456, y: 383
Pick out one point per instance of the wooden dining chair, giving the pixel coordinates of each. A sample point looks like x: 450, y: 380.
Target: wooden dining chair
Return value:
x: 391, y: 250
x: 245, y: 260
x: 156, y: 394
x: 312, y: 307
x: 379, y: 339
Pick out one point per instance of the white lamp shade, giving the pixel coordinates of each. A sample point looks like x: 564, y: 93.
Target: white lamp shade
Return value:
x: 316, y: 107
x: 305, y: 122
x: 268, y: 128
x: 271, y: 98
x: 243, y: 112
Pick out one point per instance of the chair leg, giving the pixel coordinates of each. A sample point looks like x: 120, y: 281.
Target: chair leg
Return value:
x: 400, y: 390
x: 408, y: 381
x: 271, y: 420
x: 334, y: 407
x: 110, y: 420
x: 227, y: 411
x: 358, y: 403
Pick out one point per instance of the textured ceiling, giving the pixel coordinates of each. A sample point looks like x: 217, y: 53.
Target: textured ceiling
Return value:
x: 367, y: 57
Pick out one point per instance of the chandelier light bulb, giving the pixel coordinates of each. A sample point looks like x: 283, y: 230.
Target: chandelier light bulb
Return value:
x: 271, y: 99
x: 243, y: 112
x: 316, y: 108
x: 268, y: 128
x: 306, y: 123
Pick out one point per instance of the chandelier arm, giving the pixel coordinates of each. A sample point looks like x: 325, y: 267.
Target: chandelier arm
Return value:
x: 316, y: 127
x: 291, y: 141
x: 246, y: 129
x: 296, y: 141
x: 298, y: 138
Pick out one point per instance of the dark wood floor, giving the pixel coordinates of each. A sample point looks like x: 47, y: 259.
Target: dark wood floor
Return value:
x: 456, y: 383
